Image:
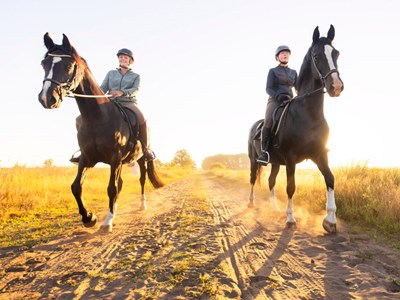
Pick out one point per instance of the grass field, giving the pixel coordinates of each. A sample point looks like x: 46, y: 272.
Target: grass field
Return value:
x: 367, y: 198
x: 37, y: 204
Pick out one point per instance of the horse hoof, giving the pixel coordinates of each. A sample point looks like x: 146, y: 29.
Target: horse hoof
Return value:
x: 329, y: 227
x: 291, y: 225
x: 105, y: 228
x: 143, y: 207
x: 250, y: 204
x: 91, y: 222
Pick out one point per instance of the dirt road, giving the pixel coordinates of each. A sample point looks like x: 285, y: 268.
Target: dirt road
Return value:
x: 198, y: 240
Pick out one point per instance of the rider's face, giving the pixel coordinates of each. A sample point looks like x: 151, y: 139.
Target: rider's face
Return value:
x: 283, y: 57
x: 123, y: 60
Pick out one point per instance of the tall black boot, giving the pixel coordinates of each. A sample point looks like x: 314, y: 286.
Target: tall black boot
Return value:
x: 265, y: 141
x: 147, y: 153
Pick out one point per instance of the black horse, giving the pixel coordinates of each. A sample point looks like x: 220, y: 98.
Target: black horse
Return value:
x: 303, y: 131
x: 105, y: 134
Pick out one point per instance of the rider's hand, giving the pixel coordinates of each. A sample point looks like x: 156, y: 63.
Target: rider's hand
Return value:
x: 116, y: 93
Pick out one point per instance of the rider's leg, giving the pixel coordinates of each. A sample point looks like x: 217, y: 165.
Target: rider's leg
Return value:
x: 75, y: 157
x: 266, y: 135
x: 143, y: 133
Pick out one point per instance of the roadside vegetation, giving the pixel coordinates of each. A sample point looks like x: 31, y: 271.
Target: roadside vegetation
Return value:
x: 36, y: 204
x: 368, y: 198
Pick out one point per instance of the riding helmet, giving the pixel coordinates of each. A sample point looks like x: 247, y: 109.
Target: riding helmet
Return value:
x: 282, y: 48
x: 127, y: 52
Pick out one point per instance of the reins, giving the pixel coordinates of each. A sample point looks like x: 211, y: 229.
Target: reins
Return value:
x: 322, y: 88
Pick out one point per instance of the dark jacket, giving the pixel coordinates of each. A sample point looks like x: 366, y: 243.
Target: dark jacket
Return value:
x: 281, y: 80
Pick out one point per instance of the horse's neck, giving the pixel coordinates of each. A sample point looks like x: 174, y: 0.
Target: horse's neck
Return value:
x: 311, y: 90
x: 90, y: 107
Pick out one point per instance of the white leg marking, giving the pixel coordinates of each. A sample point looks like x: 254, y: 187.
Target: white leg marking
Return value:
x: 251, y: 197
x: 289, y: 212
x: 143, y: 205
x: 47, y: 83
x: 330, y: 206
x: 272, y: 200
x: 108, y: 220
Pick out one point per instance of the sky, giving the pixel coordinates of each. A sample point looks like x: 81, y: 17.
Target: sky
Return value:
x: 203, y: 67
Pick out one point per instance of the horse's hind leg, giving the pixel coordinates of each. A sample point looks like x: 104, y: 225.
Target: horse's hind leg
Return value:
x: 271, y: 185
x: 88, y: 218
x: 254, y: 173
x: 329, y: 222
x: 142, y: 179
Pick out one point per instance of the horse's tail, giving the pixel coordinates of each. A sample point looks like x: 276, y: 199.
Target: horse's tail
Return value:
x: 153, y: 176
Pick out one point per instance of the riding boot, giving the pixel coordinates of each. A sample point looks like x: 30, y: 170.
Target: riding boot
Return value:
x: 147, y: 152
x: 265, y: 141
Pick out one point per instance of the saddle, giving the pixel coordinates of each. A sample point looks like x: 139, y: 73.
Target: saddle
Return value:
x: 134, y: 141
x: 278, y: 118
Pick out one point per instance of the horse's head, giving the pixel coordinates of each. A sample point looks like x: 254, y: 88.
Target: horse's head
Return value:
x: 324, y: 60
x: 62, y: 72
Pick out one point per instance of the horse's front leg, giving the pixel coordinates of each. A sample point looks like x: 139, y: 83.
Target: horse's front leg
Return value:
x: 290, y: 189
x: 88, y: 218
x: 114, y: 187
x: 271, y: 184
x: 142, y: 179
x: 329, y: 222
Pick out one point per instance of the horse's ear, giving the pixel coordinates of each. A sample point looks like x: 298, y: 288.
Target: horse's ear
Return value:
x: 48, y: 42
x: 66, y: 43
x: 331, y: 33
x: 315, y: 35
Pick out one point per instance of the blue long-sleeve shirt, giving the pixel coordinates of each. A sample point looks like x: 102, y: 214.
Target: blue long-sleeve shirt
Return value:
x: 129, y: 84
x: 281, y: 80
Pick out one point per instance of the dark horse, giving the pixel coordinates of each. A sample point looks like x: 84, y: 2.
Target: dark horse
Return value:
x: 303, y: 132
x: 104, y: 134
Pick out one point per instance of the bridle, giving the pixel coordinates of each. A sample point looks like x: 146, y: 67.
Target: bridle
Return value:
x: 66, y: 86
x: 322, y: 77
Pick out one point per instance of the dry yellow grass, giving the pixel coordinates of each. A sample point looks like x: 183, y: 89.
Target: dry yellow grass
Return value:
x: 37, y: 203
x: 368, y: 198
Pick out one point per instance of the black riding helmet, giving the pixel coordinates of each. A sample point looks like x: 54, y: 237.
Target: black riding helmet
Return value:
x: 282, y: 48
x: 127, y: 52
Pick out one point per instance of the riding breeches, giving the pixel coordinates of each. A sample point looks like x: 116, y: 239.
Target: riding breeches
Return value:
x: 132, y: 106
x: 271, y: 106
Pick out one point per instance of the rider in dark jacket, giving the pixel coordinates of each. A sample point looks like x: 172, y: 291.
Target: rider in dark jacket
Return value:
x: 280, y: 83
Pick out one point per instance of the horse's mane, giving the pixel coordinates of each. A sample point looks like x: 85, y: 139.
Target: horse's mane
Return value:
x: 306, y: 65
x: 81, y: 62
x: 305, y: 69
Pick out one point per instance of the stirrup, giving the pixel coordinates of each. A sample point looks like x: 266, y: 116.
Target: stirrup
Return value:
x: 75, y: 158
x: 149, y: 155
x: 264, y: 158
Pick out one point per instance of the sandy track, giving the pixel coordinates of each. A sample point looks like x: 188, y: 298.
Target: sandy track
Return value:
x: 211, y: 247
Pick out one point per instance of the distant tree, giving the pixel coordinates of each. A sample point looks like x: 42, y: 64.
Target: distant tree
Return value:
x: 48, y: 163
x: 230, y: 161
x: 183, y: 159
